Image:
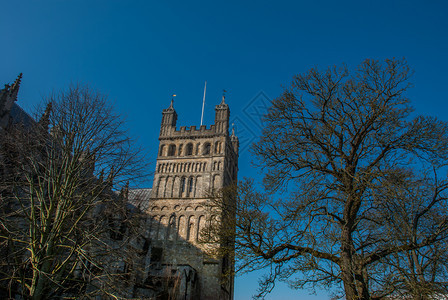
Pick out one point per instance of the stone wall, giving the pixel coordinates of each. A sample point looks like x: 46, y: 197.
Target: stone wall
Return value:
x: 191, y: 165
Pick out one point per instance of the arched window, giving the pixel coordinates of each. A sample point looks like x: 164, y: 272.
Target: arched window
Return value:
x: 182, y: 185
x: 162, y: 149
x: 189, y: 149
x: 190, y: 185
x: 206, y: 149
x: 172, y: 150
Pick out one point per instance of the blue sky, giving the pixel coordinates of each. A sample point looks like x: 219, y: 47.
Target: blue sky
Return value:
x: 139, y: 53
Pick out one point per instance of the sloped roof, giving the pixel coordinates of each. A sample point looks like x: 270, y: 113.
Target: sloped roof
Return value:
x: 19, y: 116
x: 140, y: 198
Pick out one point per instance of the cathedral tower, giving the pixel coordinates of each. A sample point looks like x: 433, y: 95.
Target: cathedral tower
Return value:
x: 191, y: 163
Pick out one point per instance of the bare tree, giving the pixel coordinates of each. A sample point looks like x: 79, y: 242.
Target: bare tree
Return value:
x: 412, y: 206
x: 349, y: 195
x: 61, y: 220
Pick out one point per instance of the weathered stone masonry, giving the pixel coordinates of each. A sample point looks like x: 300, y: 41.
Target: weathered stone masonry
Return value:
x: 191, y: 163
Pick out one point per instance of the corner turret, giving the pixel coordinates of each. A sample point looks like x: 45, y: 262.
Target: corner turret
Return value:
x: 169, y: 119
x: 222, y: 115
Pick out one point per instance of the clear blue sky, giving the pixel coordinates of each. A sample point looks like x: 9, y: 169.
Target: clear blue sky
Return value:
x: 141, y: 52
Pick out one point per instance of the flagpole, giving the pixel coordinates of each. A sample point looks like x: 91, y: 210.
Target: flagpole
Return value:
x: 203, y: 102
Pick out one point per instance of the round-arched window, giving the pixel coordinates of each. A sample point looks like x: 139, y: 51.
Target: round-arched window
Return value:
x: 206, y: 150
x: 172, y: 150
x: 189, y: 149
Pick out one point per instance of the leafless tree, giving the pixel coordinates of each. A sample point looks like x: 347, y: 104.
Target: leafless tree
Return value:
x: 412, y: 207
x: 61, y: 220
x: 354, y: 186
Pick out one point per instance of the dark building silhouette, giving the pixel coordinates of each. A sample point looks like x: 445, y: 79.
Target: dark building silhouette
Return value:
x: 172, y: 261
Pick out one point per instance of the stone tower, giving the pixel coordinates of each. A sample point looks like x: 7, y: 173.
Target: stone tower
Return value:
x: 191, y: 163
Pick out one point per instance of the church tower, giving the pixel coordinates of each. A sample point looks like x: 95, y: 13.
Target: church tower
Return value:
x: 192, y: 163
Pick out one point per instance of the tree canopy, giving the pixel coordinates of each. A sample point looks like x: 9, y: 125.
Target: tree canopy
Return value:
x: 355, y: 189
x: 58, y: 207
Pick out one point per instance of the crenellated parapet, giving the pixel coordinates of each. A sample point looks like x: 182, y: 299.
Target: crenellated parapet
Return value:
x: 168, y: 128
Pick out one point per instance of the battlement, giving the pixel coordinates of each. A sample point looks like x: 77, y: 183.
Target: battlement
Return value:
x: 193, y: 132
x: 168, y: 128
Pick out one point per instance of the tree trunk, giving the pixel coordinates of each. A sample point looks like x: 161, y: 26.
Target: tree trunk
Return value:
x: 361, y: 278
x: 347, y: 277
x: 347, y: 265
x: 37, y: 292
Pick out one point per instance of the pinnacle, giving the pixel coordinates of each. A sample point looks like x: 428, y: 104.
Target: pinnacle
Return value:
x: 15, y: 86
x: 223, y: 102
x: 45, y: 119
x: 19, y: 78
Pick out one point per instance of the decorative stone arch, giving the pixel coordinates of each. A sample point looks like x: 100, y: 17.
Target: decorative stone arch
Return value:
x: 162, y: 150
x: 200, y: 226
x: 206, y: 149
x: 189, y: 149
x: 171, y: 230
x: 190, y: 228
x: 182, y: 227
x: 172, y: 150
